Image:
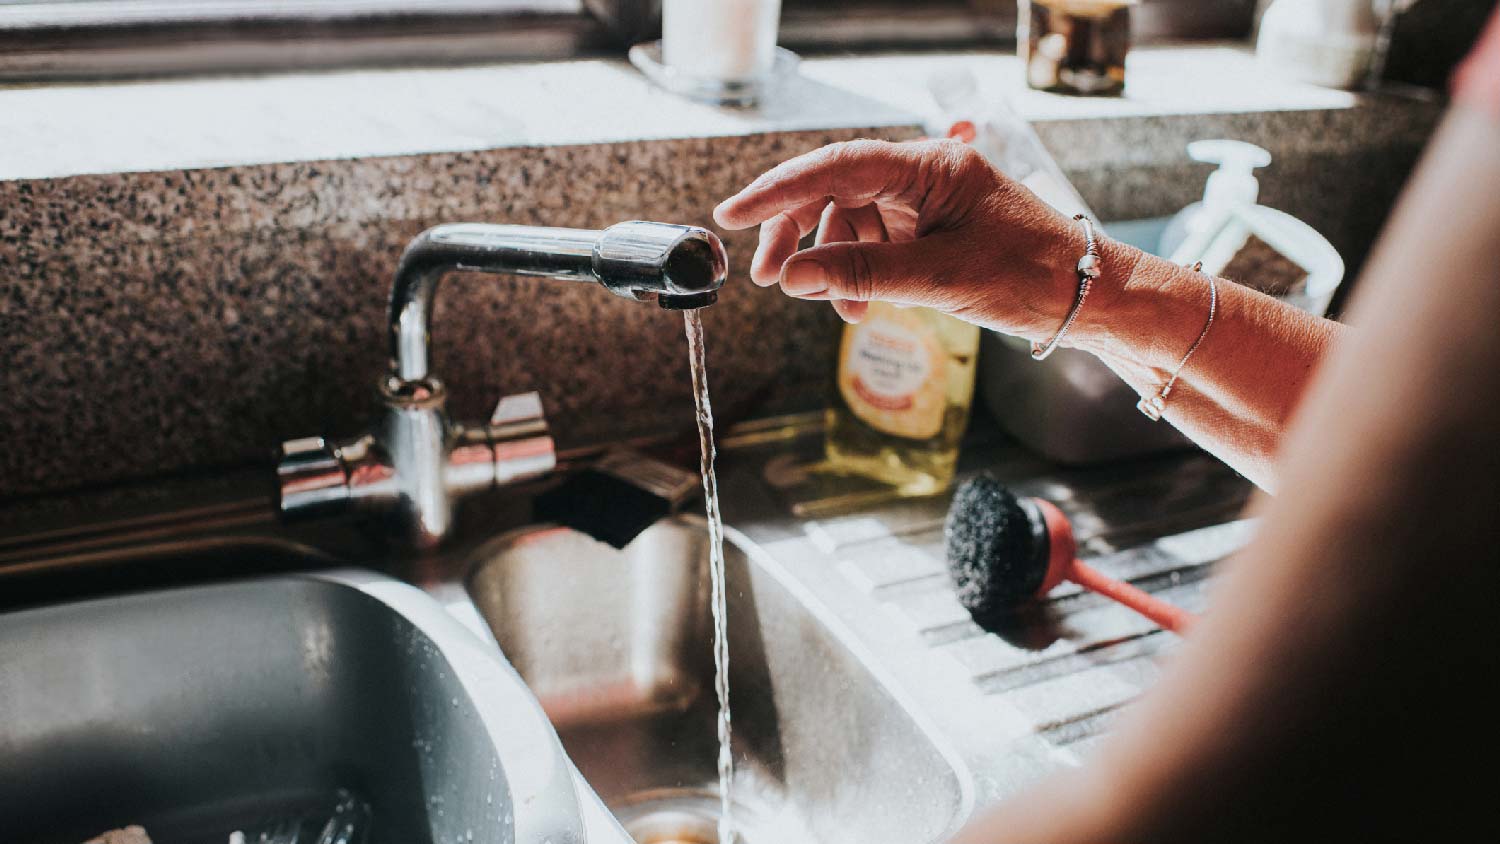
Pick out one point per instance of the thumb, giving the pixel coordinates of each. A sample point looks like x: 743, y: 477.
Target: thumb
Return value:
x: 861, y: 272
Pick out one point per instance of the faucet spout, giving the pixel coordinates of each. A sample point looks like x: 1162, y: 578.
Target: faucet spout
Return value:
x: 415, y: 463
x: 678, y: 266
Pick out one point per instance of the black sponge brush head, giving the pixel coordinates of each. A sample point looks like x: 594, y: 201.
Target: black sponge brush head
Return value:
x: 997, y: 547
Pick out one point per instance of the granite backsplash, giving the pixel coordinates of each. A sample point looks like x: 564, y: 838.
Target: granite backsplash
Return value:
x: 155, y: 322
x: 160, y: 322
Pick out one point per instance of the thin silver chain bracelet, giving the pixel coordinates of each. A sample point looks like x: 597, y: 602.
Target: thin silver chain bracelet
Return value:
x: 1154, y: 406
x: 1088, y: 270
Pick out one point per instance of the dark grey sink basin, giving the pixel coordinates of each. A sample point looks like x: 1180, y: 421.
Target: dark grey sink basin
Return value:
x: 617, y: 647
x: 196, y: 712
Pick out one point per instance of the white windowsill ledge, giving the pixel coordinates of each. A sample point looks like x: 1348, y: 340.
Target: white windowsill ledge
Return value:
x: 65, y: 130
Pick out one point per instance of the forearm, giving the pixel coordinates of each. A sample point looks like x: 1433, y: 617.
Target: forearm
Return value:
x: 935, y: 225
x: 1349, y: 657
x: 1239, y: 389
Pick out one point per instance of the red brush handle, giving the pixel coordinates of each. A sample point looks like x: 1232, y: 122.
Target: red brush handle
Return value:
x: 1062, y: 565
x: 1170, y: 617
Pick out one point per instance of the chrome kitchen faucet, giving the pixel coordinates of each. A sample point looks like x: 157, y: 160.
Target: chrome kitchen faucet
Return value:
x: 415, y: 462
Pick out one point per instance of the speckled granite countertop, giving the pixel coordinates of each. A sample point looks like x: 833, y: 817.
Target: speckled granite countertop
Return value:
x: 193, y: 271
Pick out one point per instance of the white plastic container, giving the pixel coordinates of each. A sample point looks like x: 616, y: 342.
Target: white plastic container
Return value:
x: 1232, y: 185
x: 1215, y: 229
x: 1334, y: 43
x: 1003, y: 137
x: 720, y: 40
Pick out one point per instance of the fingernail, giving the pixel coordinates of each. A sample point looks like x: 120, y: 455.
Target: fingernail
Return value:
x: 801, y: 278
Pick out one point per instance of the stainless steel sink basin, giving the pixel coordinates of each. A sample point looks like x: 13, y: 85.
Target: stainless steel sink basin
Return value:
x: 868, y: 706
x: 199, y: 711
x: 617, y: 647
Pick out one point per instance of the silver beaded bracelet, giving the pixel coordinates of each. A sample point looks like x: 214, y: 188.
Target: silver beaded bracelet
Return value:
x: 1088, y: 270
x: 1154, y: 406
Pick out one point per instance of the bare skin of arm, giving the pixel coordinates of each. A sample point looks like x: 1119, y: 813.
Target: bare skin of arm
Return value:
x: 1347, y: 670
x: 934, y: 224
x: 1342, y: 688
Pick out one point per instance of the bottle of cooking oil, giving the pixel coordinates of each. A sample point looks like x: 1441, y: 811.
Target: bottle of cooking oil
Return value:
x: 905, y: 385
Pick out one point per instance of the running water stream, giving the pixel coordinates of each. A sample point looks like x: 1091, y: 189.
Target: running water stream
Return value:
x: 705, y: 412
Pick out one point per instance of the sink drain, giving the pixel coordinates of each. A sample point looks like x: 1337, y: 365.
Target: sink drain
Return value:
x: 668, y: 826
x: 675, y: 819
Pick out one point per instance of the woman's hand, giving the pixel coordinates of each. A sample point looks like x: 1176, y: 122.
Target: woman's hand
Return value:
x: 933, y: 224
x: 928, y: 223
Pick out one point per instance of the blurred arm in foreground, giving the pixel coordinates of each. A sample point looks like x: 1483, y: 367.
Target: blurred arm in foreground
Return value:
x: 1343, y: 687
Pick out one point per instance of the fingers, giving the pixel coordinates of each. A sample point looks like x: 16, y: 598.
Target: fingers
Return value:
x: 849, y: 310
x: 778, y: 240
x: 841, y: 224
x: 861, y: 272
x: 851, y: 224
x: 852, y: 263
x: 780, y: 235
x: 851, y: 174
x: 834, y: 227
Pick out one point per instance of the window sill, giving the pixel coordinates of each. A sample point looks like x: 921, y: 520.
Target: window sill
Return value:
x: 64, y: 130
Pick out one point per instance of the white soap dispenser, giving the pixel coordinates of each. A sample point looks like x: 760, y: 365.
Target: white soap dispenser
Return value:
x: 1231, y: 236
x: 1231, y: 186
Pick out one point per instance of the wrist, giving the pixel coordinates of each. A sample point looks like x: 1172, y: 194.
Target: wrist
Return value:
x: 1138, y: 307
x: 1054, y: 272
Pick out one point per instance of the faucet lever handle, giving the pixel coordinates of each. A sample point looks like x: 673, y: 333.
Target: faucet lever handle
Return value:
x: 519, y: 409
x: 518, y: 435
x: 311, y: 479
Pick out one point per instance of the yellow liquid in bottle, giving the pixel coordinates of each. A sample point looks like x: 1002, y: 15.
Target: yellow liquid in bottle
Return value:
x: 901, y: 403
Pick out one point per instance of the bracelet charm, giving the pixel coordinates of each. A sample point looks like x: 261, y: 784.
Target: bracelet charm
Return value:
x: 1152, y: 406
x: 1088, y: 270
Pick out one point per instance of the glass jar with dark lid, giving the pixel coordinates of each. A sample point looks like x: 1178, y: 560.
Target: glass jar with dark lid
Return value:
x: 1075, y: 46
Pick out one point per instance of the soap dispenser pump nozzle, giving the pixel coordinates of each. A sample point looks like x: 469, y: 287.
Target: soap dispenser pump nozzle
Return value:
x: 1234, y: 183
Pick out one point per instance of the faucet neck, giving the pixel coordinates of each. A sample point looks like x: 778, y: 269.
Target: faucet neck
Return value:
x: 517, y: 250
x: 415, y: 462
x: 680, y: 266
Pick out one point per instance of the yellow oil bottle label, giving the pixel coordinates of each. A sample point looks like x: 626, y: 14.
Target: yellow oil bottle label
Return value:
x: 891, y: 375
